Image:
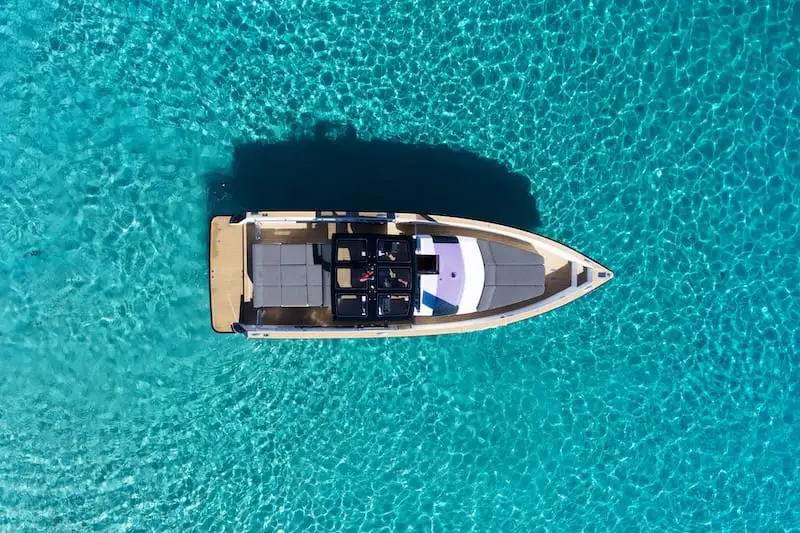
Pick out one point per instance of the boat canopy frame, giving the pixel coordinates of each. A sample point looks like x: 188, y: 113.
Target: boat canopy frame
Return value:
x: 374, y: 277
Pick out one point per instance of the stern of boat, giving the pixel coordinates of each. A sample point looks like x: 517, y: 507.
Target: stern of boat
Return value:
x: 227, y: 260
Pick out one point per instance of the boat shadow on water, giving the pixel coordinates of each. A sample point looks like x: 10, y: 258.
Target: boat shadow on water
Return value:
x: 331, y: 168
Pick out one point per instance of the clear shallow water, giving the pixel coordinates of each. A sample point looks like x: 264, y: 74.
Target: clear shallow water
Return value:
x: 660, y: 140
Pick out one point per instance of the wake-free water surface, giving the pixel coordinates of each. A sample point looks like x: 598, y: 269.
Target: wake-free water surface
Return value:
x: 658, y: 138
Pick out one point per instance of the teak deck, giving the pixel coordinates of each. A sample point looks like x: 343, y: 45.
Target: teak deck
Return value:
x: 226, y: 273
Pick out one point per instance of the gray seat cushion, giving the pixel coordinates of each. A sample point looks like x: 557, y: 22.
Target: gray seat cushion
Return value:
x: 293, y: 296
x: 285, y: 275
x: 490, y: 274
x: 266, y: 296
x: 502, y: 254
x: 294, y: 254
x: 486, y: 297
x: 293, y: 276
x: 326, y: 288
x: 315, y: 296
x: 507, y: 295
x: 268, y: 275
x: 314, y: 275
x: 519, y: 275
x: 266, y: 254
x: 511, y: 275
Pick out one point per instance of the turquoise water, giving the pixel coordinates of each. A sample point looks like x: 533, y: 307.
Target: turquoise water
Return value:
x: 659, y: 138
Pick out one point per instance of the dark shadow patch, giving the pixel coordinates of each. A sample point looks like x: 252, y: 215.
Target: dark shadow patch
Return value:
x: 331, y: 168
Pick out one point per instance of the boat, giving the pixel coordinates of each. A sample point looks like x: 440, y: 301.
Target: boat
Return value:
x: 355, y: 274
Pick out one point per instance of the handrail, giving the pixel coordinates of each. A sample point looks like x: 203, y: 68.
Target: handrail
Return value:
x: 305, y: 217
